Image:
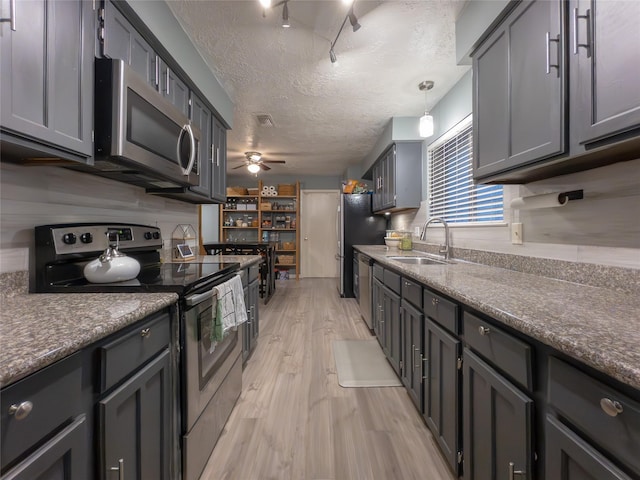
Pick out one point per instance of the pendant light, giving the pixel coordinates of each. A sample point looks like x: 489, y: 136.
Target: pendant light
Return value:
x: 426, y: 121
x: 285, y: 15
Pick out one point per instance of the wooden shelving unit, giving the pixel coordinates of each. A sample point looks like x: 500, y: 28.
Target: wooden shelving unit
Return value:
x: 261, y: 218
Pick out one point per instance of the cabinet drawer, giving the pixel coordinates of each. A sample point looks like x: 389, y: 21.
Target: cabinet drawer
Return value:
x: 378, y: 272
x: 589, y: 405
x: 442, y: 311
x: 504, y: 351
x: 55, y: 394
x: 392, y: 280
x: 412, y: 292
x: 130, y: 350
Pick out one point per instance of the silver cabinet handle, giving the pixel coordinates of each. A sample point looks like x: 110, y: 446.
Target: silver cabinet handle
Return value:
x: 576, y: 45
x: 548, y: 41
x: 513, y: 472
x: 168, y: 80
x: 145, y: 332
x: 21, y: 410
x: 12, y: 15
x: 217, y: 156
x: 484, y: 330
x: 119, y: 469
x: 157, y: 79
x: 611, y: 407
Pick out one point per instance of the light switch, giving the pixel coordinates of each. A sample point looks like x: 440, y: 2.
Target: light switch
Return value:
x: 516, y: 233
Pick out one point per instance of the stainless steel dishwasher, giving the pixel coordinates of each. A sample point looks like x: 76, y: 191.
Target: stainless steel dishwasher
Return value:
x: 365, y: 273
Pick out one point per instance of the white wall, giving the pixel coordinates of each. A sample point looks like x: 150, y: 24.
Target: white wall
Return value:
x: 31, y: 196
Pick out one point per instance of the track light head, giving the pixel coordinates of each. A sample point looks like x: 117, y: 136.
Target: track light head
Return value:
x: 332, y: 56
x: 285, y: 16
x: 353, y: 20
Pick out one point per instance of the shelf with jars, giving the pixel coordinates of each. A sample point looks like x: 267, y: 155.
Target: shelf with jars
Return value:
x: 263, y: 215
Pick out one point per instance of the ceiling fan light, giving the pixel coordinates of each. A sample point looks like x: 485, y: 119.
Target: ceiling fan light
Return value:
x: 265, y: 3
x: 253, y: 167
x: 426, y: 125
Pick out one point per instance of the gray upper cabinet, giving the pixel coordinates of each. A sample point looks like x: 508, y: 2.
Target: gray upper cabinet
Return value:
x: 173, y: 88
x: 201, y: 118
x: 519, y: 90
x: 397, y: 177
x: 605, y: 57
x: 47, y: 77
x: 121, y: 40
x: 219, y: 164
x: 497, y: 424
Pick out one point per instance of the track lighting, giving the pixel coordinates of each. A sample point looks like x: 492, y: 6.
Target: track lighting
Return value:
x: 285, y: 16
x: 426, y: 121
x: 354, y: 24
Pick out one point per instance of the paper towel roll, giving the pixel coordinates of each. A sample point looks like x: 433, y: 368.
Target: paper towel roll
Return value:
x: 539, y: 201
x: 272, y: 188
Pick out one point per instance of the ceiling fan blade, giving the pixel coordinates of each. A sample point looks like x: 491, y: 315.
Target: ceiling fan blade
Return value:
x: 264, y: 167
x: 239, y: 166
x: 274, y: 161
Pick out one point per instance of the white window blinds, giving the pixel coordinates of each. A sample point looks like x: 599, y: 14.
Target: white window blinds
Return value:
x: 452, y: 194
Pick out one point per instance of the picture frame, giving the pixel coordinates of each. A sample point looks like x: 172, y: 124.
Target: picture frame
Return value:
x: 183, y: 252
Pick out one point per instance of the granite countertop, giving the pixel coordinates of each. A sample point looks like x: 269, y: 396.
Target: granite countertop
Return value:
x: 597, y: 326
x: 244, y: 260
x: 39, y: 329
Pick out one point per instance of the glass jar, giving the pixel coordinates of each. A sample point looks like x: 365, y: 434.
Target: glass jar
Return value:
x: 406, y: 241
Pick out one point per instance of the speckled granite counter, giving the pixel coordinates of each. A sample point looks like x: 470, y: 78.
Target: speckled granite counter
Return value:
x: 244, y: 260
x: 597, y: 326
x: 37, y: 330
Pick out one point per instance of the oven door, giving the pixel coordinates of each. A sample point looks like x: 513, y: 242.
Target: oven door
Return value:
x: 206, y: 365
x: 137, y: 127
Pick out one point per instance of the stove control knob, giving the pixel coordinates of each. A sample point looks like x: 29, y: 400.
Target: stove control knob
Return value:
x: 147, y: 235
x: 86, y: 238
x: 69, y: 238
x: 156, y: 235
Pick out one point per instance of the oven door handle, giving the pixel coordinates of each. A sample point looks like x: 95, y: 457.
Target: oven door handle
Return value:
x: 199, y: 298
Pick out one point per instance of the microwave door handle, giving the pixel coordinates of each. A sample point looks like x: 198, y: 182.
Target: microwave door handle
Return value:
x: 192, y: 156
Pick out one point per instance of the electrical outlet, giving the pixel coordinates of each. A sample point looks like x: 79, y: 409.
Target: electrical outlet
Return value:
x: 516, y: 233
x: 416, y: 231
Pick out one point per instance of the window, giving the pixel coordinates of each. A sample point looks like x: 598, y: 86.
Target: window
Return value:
x: 452, y: 194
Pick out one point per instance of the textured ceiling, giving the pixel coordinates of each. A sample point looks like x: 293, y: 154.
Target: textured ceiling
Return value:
x: 327, y: 116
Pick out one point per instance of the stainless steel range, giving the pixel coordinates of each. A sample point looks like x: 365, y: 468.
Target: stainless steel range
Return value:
x: 210, y: 379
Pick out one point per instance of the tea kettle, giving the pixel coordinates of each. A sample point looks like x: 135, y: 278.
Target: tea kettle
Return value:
x: 112, y: 265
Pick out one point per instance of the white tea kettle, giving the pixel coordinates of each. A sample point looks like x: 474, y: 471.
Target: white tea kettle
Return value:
x: 111, y: 266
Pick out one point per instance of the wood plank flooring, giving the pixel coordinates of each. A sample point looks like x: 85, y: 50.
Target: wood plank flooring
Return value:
x: 293, y: 420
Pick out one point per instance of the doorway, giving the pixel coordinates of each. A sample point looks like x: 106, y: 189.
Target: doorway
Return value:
x: 318, y: 233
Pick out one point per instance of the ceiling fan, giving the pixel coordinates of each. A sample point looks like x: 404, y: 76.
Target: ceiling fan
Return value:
x: 254, y: 162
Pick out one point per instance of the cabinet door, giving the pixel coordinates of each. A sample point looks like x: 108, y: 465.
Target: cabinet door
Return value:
x: 219, y: 175
x: 173, y: 88
x: 568, y: 457
x: 519, y: 85
x: 135, y: 424
x: 122, y: 41
x: 389, y: 179
x: 605, y: 62
x: 47, y: 73
x: 64, y: 456
x: 442, y: 390
x: 201, y: 118
x: 254, y: 295
x: 411, y: 329
x: 377, y: 200
x: 391, y: 312
x: 376, y: 310
x: 497, y: 424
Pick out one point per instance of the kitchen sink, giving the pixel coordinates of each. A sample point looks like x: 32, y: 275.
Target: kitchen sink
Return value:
x: 420, y: 260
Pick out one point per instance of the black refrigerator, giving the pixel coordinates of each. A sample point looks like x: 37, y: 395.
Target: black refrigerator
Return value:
x: 356, y: 225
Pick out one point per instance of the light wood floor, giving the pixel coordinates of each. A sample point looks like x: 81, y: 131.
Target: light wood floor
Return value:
x: 293, y: 420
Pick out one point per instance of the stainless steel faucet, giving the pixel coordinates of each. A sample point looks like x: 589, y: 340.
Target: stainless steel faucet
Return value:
x: 444, y: 249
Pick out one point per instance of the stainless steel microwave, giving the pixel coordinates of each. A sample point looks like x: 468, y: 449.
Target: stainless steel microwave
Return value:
x: 140, y: 137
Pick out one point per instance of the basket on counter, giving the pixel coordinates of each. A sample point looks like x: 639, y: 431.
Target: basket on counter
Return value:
x: 287, y: 190
x: 232, y: 191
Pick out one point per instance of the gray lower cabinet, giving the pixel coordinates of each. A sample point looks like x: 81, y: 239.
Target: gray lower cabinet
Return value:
x: 392, y: 339
x: 377, y: 321
x: 569, y: 457
x: 497, y: 420
x: 442, y: 378
x: 519, y: 89
x: 134, y: 425
x: 605, y: 66
x: 46, y: 90
x: 251, y: 328
x: 62, y: 457
x: 411, y: 320
x: 219, y: 163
